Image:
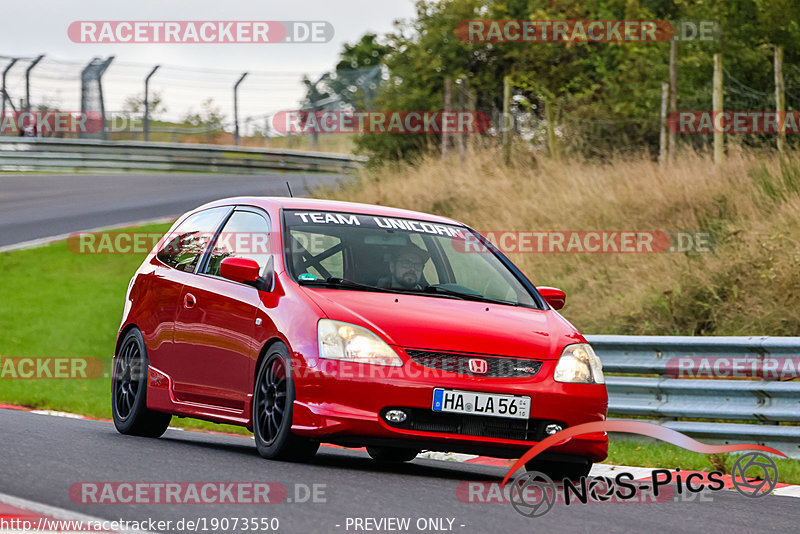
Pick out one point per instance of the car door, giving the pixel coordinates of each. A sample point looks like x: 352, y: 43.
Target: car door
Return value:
x: 215, y: 325
x: 178, y: 256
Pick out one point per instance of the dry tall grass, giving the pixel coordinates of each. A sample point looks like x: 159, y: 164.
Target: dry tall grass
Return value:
x: 750, y: 284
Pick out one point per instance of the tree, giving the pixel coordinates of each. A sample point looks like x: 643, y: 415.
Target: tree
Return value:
x: 210, y: 116
x: 424, y: 52
x: 354, y: 81
x: 135, y: 104
x: 604, y: 97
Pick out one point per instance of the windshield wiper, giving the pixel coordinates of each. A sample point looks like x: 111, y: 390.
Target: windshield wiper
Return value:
x: 429, y: 290
x: 437, y: 290
x: 343, y: 282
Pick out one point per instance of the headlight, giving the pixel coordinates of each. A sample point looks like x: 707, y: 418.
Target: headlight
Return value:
x: 353, y: 343
x: 579, y: 363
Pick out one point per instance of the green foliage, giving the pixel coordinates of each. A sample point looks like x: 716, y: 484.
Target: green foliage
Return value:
x: 355, y: 79
x: 57, y: 303
x: 651, y: 453
x: 782, y: 187
x: 135, y: 104
x: 604, y: 97
x: 210, y: 117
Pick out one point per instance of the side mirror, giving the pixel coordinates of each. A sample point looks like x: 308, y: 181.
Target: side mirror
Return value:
x: 244, y: 270
x: 554, y: 297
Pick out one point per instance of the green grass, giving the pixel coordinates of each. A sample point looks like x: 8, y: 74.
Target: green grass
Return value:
x: 657, y: 454
x: 56, y: 303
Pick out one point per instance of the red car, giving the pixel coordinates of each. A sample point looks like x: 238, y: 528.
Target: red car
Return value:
x: 311, y: 321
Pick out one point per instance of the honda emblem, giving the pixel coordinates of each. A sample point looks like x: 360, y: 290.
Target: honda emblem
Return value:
x: 478, y: 366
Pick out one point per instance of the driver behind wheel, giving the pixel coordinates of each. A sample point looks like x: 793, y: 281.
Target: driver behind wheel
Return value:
x: 405, y: 266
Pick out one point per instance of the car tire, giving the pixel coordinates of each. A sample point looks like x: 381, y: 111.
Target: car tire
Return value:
x: 273, y: 400
x: 559, y: 471
x: 392, y: 455
x: 129, y: 391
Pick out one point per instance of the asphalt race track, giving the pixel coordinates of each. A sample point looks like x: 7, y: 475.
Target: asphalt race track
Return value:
x: 34, y: 206
x: 43, y: 456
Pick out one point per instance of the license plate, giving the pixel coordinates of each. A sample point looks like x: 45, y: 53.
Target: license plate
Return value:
x: 472, y: 402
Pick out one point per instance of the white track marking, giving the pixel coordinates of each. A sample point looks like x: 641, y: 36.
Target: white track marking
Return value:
x: 54, y: 512
x: 597, y: 469
x: 608, y: 470
x: 447, y: 456
x: 788, y: 491
x: 42, y: 241
x: 58, y: 414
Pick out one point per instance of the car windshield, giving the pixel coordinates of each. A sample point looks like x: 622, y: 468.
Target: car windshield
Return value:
x: 377, y: 253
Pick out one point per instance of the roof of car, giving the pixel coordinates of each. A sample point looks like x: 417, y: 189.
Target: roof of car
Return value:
x: 330, y: 205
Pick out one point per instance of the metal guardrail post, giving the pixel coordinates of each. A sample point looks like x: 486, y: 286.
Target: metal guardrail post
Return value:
x: 3, y: 90
x: 101, y: 71
x: 236, y: 109
x: 28, y: 81
x: 93, y: 72
x: 146, y: 124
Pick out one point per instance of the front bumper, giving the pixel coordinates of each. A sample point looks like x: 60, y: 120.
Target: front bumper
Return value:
x: 343, y: 402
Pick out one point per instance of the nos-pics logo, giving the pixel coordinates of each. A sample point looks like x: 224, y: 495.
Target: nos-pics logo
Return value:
x: 534, y: 493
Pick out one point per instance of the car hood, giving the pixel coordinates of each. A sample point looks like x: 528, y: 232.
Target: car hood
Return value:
x: 445, y: 324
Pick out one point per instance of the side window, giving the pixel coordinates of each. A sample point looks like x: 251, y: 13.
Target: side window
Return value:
x: 188, y: 241
x: 245, y: 235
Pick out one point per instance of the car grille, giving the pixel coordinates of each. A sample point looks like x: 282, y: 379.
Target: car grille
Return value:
x: 498, y: 366
x: 474, y: 425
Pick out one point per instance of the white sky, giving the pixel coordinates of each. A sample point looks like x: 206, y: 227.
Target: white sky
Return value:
x: 277, y: 69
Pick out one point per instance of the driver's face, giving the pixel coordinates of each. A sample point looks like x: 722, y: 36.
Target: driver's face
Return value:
x: 407, y: 270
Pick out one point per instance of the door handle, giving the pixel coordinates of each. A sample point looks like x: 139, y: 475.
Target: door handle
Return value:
x: 189, y: 301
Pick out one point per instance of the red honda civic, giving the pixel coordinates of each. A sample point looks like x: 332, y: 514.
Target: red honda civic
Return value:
x: 312, y: 321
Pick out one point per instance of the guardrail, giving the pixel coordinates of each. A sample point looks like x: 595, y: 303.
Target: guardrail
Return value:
x: 677, y: 402
x: 70, y: 155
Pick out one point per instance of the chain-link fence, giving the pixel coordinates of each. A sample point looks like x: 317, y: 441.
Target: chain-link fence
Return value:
x: 191, y: 105
x: 184, y: 105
